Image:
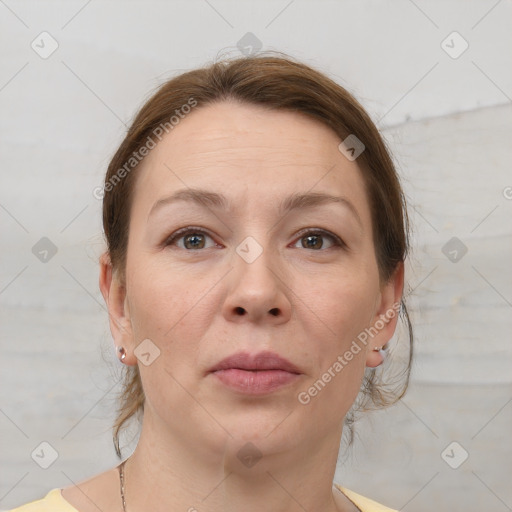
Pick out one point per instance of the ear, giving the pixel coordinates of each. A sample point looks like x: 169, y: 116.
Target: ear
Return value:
x: 114, y: 294
x: 386, y: 316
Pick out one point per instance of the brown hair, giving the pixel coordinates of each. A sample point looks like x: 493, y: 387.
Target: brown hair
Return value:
x: 277, y: 83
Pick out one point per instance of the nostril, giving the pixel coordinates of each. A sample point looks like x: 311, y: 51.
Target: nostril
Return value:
x: 274, y: 311
x: 240, y: 310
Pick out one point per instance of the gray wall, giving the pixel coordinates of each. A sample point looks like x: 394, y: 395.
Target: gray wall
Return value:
x: 447, y: 118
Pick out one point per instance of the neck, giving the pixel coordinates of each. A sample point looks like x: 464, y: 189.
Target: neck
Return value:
x: 184, y: 474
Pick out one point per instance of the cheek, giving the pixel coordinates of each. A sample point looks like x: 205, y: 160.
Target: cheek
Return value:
x: 340, y: 363
x: 163, y: 299
x: 166, y: 307
x: 331, y: 391
x: 343, y: 303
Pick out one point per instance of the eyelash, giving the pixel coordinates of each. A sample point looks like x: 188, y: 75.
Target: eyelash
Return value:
x: 337, y: 242
x: 182, y: 233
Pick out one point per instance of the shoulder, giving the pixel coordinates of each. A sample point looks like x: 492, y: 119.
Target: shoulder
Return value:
x: 100, y: 492
x: 52, y: 502
x: 365, y: 504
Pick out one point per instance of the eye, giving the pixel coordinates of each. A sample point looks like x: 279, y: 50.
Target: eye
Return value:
x: 193, y: 239
x: 314, y: 239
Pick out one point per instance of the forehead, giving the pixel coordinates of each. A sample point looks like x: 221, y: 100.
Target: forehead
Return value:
x: 253, y: 152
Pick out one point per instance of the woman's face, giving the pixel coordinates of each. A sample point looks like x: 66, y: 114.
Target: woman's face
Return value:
x: 250, y: 275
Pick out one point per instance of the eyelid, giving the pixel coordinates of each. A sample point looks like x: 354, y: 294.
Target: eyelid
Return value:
x: 337, y: 241
x: 180, y: 233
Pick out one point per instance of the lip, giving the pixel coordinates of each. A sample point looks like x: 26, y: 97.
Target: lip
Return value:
x: 259, y: 373
x: 265, y: 360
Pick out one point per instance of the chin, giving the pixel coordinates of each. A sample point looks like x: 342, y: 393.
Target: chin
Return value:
x: 268, y: 429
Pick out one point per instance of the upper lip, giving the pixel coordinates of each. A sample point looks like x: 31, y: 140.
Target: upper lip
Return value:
x: 265, y: 360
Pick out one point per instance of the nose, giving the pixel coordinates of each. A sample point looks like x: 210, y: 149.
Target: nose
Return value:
x: 257, y: 291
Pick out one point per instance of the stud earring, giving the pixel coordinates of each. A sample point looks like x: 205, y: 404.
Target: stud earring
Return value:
x: 382, y: 351
x: 121, y: 351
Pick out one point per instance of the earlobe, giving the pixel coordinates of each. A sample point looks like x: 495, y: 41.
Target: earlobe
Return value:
x: 386, y: 317
x: 376, y: 357
x: 114, y: 294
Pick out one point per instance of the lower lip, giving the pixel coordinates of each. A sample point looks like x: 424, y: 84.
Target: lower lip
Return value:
x: 255, y: 382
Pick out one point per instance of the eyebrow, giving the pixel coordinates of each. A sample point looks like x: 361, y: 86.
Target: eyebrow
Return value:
x: 210, y: 199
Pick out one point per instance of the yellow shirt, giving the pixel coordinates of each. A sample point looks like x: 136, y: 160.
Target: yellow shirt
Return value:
x: 54, y: 502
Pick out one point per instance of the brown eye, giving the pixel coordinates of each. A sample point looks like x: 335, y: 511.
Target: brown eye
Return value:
x: 189, y: 239
x: 194, y: 241
x: 312, y: 242
x: 315, y: 240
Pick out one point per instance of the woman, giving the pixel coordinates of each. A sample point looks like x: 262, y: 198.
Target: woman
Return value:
x: 256, y: 236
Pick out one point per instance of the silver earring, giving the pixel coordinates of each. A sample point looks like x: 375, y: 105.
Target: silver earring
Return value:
x: 382, y: 351
x: 122, y: 351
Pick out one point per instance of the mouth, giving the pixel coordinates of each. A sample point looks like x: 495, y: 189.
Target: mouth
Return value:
x: 260, y: 373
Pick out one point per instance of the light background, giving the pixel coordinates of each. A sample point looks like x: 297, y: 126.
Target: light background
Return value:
x: 447, y: 121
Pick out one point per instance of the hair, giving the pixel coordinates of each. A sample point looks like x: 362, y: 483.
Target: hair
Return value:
x: 277, y: 83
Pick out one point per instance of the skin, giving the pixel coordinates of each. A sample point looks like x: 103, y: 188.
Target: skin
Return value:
x: 307, y: 304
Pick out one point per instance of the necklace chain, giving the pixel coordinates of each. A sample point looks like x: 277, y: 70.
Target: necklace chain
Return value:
x: 121, y: 479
